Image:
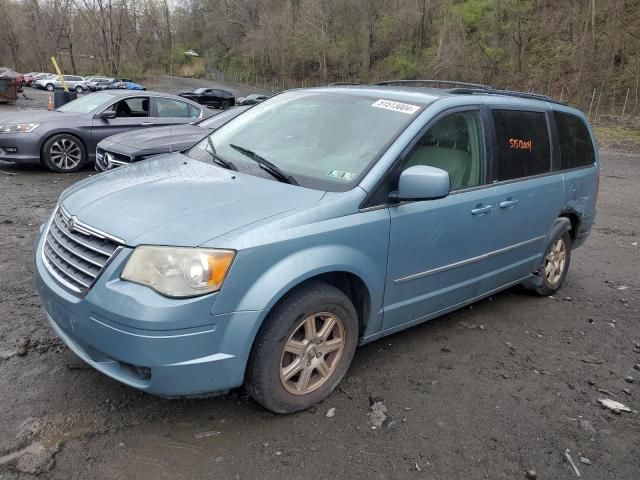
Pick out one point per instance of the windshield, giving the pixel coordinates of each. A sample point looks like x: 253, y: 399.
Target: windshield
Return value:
x: 325, y: 140
x: 200, y: 90
x: 87, y: 104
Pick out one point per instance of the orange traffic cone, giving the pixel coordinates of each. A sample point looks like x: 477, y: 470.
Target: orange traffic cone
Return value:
x: 51, y: 106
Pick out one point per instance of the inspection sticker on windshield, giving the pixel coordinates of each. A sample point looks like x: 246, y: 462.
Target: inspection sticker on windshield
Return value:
x: 346, y: 176
x: 396, y: 106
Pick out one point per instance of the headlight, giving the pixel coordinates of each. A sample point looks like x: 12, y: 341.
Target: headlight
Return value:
x: 19, y: 128
x: 177, y: 271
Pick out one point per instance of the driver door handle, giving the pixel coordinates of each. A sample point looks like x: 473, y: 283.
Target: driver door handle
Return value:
x: 481, y: 209
x: 146, y: 124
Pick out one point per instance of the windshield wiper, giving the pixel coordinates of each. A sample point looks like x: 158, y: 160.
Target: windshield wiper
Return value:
x: 266, y: 165
x: 220, y: 161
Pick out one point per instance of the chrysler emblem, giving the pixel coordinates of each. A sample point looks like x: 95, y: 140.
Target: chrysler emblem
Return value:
x: 71, y: 223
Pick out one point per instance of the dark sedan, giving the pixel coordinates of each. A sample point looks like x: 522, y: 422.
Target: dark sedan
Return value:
x: 252, y: 99
x: 130, y: 147
x: 63, y: 140
x: 211, y: 97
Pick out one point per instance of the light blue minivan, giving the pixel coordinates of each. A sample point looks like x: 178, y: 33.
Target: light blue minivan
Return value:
x: 316, y: 221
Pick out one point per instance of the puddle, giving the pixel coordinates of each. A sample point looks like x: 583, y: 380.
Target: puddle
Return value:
x: 43, y: 450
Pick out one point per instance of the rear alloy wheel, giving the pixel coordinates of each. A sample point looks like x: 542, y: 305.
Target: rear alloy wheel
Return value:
x: 79, y: 89
x: 556, y: 264
x: 63, y: 153
x: 225, y: 105
x: 304, y: 349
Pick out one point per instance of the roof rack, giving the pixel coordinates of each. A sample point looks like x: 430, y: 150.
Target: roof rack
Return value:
x: 435, y: 83
x: 509, y: 93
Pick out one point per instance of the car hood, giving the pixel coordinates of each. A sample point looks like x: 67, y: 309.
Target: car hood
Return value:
x: 36, y: 116
x: 160, y: 138
x: 176, y: 200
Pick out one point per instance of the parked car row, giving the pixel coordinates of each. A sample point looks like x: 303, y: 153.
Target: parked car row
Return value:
x: 51, y: 81
x: 313, y: 222
x: 65, y: 139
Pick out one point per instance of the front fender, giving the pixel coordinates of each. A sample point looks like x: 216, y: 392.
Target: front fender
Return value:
x: 68, y: 131
x: 284, y: 275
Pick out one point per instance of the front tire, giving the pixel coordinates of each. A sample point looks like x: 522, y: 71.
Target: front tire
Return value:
x: 556, y: 264
x: 79, y: 89
x: 304, y: 349
x: 64, y: 153
x: 50, y: 87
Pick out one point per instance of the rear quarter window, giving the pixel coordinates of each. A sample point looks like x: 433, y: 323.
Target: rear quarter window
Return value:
x: 576, y: 147
x: 523, y: 147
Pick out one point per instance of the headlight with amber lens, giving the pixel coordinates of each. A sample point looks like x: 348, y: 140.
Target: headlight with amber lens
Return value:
x: 178, y: 271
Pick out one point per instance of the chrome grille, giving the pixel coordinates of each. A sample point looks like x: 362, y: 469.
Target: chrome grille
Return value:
x: 107, y: 160
x: 76, y: 253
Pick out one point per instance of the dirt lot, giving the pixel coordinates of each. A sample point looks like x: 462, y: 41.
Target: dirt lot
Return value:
x: 487, y: 392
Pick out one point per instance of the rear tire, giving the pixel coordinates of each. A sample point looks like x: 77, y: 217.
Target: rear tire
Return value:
x: 64, y: 153
x: 50, y: 87
x: 79, y: 89
x: 556, y: 264
x: 225, y: 105
x: 304, y: 349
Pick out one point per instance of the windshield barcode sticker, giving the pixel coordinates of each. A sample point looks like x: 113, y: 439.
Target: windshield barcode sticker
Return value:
x: 396, y: 106
x: 346, y: 176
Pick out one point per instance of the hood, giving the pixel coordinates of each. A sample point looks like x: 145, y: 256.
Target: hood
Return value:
x: 176, y: 137
x: 36, y: 116
x: 176, y: 200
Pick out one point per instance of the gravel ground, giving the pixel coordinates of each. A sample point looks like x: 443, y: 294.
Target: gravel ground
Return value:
x: 491, y: 391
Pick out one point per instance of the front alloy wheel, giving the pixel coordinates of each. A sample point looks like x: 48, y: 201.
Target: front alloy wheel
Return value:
x: 312, y: 353
x: 63, y: 153
x: 303, y: 349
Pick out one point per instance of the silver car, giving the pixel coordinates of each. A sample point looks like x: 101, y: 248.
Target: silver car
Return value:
x: 65, y: 139
x: 74, y: 82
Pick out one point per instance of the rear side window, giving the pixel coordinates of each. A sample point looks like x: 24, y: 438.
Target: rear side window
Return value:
x: 522, y: 144
x: 194, y: 112
x: 168, y: 107
x: 576, y: 147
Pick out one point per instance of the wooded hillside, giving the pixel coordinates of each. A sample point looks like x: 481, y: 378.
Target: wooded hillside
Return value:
x: 566, y: 47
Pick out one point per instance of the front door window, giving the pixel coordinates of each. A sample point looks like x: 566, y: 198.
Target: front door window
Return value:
x: 453, y: 144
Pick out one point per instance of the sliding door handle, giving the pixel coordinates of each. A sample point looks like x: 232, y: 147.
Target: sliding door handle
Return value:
x: 508, y: 203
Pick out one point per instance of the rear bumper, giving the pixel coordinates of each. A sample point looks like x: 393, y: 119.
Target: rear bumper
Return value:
x: 167, y: 347
x: 586, y: 223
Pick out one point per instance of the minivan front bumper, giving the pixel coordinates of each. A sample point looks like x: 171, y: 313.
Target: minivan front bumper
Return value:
x: 142, y: 344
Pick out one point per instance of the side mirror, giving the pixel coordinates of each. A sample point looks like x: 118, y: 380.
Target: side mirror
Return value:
x: 422, y: 182
x: 106, y: 115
